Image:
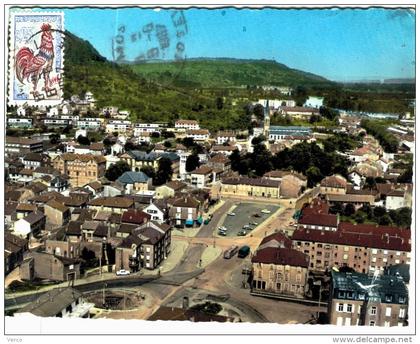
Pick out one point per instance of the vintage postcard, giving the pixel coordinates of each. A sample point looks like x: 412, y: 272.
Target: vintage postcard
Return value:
x: 203, y: 170
x: 36, y: 58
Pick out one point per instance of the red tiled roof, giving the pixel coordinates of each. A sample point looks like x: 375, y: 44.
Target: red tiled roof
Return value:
x: 334, y: 181
x: 381, y: 237
x: 279, y: 237
x: 281, y: 256
x: 328, y: 220
x: 135, y: 216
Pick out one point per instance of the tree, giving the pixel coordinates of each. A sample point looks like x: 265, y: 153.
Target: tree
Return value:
x: 188, y: 142
x: 385, y: 220
x: 406, y: 176
x: 379, y: 212
x: 328, y: 113
x: 370, y: 183
x: 401, y: 217
x: 314, y: 118
x: 116, y: 170
x: 349, y: 209
x: 155, y: 134
x: 167, y: 134
x: 257, y: 140
x: 235, y: 160
x: 259, y: 111
x: 314, y: 176
x: 219, y: 103
x: 167, y: 144
x: 149, y: 171
x: 83, y: 140
x: 164, y: 172
x: 193, y: 161
x: 336, y: 208
x: 54, y: 138
x: 359, y: 217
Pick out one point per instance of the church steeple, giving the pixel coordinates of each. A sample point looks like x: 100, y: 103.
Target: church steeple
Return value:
x: 266, y: 119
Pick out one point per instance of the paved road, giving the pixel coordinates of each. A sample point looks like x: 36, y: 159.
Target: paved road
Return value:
x: 207, y: 230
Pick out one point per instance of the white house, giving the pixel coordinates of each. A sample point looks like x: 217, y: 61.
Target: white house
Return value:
x: 225, y: 136
x: 202, y: 176
x: 19, y: 122
x: 118, y: 126
x: 117, y: 148
x: 79, y: 132
x: 397, y: 199
x: 187, y: 124
x: 357, y: 179
x: 140, y: 128
x: 21, y: 111
x: 91, y: 123
x: 198, y: 134
x: 30, y: 225
x: 156, y: 212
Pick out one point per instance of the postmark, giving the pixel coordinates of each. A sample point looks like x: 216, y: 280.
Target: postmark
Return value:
x: 153, y: 41
x: 36, y: 58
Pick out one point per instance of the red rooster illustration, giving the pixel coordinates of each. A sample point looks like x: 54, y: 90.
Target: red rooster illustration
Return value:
x: 29, y: 65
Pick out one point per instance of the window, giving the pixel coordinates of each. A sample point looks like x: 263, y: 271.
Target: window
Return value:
x: 340, y: 307
x: 345, y: 256
x: 350, y: 308
x: 374, y: 251
x: 374, y: 260
x: 386, y: 324
x: 402, y: 313
x: 371, y: 323
x: 346, y: 248
x: 388, y: 298
x: 388, y: 311
x: 397, y: 261
x: 373, y: 310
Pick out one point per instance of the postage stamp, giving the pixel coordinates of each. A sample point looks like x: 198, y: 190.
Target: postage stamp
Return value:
x: 36, y: 58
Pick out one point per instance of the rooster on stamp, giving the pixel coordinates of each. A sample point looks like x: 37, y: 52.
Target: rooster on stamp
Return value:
x: 36, y: 58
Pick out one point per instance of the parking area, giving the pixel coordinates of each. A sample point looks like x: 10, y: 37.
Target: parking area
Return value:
x: 247, y: 214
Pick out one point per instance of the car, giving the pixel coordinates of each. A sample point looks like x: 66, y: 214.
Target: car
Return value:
x: 122, y: 272
x: 246, y: 227
x: 222, y: 233
x: 241, y: 233
x: 254, y: 223
x: 244, y: 251
x: 266, y: 211
x: 231, y: 214
x: 222, y: 228
x: 256, y: 215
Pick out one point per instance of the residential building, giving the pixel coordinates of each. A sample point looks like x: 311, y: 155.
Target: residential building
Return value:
x: 366, y: 300
x: 48, y: 266
x: 23, y: 145
x: 147, y: 128
x: 158, y: 211
x: 57, y: 213
x: 169, y: 189
x: 81, y: 168
x: 358, y: 200
x: 59, y: 302
x: 250, y: 187
x: 138, y: 159
x: 362, y: 247
x: 14, y: 249
x: 298, y: 111
x: 113, y: 204
x: 89, y: 123
x: 334, y: 184
x: 135, y: 182
x: 184, y: 210
x: 278, y: 133
x: 19, y: 122
x: 30, y: 226
x: 198, y: 134
x: 202, y: 176
x: 187, y: 124
x: 225, y: 136
x: 146, y: 247
x: 314, y: 102
x: 118, y: 126
x: 279, y: 269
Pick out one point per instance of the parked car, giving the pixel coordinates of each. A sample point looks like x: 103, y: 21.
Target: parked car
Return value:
x: 266, y: 211
x: 122, y: 272
x: 244, y: 251
x: 222, y: 228
x: 222, y: 233
x: 254, y: 223
x: 241, y: 233
x: 246, y: 227
x: 231, y: 214
x: 256, y: 215
x: 229, y: 253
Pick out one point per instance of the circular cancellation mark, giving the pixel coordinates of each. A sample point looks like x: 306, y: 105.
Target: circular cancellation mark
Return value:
x: 153, y: 41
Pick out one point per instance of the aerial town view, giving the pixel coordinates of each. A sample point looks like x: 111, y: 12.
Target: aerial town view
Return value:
x: 218, y: 166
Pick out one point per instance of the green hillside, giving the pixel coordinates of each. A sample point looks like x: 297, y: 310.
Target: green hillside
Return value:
x: 220, y: 73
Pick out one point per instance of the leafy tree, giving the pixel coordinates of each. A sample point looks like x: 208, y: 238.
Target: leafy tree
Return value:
x: 401, y: 217
x: 406, y: 176
x: 328, y: 113
x: 235, y: 160
x: 258, y: 139
x: 83, y: 140
x: 116, y: 170
x: 385, y: 220
x: 379, y: 212
x: 219, y: 103
x: 193, y: 161
x: 349, y: 209
x: 314, y: 118
x: 155, y: 134
x: 359, y: 217
x: 164, y: 172
x: 149, y: 171
x: 336, y: 208
x: 188, y: 142
x: 167, y: 134
x: 370, y: 183
x: 167, y: 144
x: 314, y: 176
x: 54, y: 138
